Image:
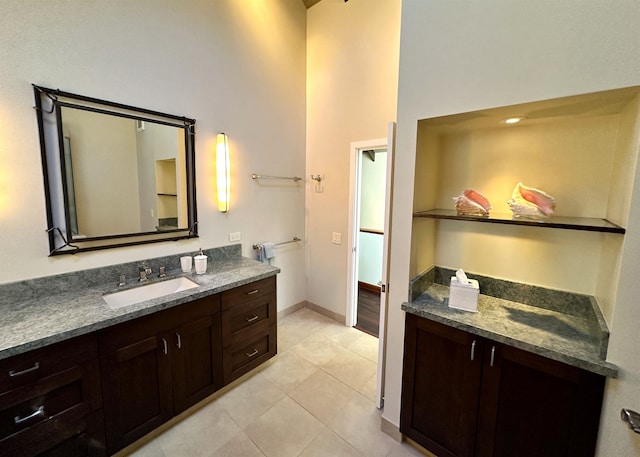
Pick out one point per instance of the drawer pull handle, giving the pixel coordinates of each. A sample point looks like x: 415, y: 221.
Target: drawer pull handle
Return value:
x: 38, y: 412
x: 493, y: 354
x: 473, y: 350
x: 251, y: 319
x: 165, y: 348
x: 254, y: 291
x: 179, y: 344
x: 14, y: 373
x: 251, y: 354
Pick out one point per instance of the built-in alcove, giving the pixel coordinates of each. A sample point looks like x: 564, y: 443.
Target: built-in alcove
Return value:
x: 580, y: 149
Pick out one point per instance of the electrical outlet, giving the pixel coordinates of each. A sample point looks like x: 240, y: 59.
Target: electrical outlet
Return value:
x: 336, y: 238
x: 234, y: 236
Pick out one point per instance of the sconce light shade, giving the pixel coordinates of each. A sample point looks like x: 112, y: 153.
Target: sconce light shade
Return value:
x: 223, y: 181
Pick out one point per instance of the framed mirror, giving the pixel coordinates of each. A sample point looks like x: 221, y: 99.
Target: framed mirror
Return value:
x: 114, y: 175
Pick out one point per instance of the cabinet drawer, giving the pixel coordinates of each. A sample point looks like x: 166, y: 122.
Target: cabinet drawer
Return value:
x: 48, y: 411
x: 251, y: 352
x: 248, y: 315
x: 39, y: 363
x: 251, y: 291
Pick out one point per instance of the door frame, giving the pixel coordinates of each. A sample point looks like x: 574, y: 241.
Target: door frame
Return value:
x: 355, y: 179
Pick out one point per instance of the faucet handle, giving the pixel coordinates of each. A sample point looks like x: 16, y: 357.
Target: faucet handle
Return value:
x: 123, y: 281
x: 162, y: 274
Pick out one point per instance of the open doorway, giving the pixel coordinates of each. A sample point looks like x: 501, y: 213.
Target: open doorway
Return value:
x: 371, y: 196
x: 369, y: 233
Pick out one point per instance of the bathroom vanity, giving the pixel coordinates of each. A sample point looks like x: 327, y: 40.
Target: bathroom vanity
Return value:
x: 514, y: 378
x: 80, y: 378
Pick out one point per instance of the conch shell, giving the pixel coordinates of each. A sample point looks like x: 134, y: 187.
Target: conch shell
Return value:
x: 472, y: 203
x: 529, y: 202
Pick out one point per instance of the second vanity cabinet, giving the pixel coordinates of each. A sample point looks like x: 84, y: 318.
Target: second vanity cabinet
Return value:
x: 464, y: 395
x: 157, y: 366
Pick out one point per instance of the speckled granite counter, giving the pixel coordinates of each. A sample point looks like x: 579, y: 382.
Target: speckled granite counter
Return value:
x: 42, y: 311
x: 558, y: 325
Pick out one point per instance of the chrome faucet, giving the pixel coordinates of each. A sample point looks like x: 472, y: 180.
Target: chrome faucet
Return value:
x: 145, y: 271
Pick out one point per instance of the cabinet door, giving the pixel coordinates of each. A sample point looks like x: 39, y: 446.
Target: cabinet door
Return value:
x: 197, y: 361
x: 136, y: 389
x: 441, y: 384
x: 532, y: 406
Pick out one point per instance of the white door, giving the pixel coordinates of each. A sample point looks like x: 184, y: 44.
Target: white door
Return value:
x: 354, y: 228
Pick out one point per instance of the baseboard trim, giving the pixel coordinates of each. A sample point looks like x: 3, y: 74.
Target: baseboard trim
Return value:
x: 372, y: 287
x: 291, y: 309
x: 390, y: 429
x: 325, y: 312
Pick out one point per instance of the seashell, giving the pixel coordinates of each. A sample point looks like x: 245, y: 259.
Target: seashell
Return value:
x: 472, y: 203
x: 529, y: 202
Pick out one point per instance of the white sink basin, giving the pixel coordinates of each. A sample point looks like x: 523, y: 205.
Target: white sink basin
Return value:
x: 139, y: 294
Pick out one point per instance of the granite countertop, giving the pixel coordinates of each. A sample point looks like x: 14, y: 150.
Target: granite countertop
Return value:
x: 32, y: 318
x: 573, y: 338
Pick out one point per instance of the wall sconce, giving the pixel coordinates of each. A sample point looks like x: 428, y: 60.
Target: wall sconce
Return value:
x: 223, y: 176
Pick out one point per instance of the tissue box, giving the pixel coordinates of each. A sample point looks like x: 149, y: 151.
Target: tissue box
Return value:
x: 464, y: 296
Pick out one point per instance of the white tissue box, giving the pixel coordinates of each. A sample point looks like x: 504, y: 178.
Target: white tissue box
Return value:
x: 464, y: 296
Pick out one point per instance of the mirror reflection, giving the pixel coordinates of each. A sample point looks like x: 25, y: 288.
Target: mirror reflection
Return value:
x: 123, y: 175
x: 115, y: 175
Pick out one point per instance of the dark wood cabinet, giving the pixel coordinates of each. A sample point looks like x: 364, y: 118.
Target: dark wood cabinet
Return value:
x: 465, y: 395
x: 249, y: 330
x: 157, y: 366
x: 50, y: 401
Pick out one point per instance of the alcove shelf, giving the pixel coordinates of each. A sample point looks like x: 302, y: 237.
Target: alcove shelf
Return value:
x: 568, y: 223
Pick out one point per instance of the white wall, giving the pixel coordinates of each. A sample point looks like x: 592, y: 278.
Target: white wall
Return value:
x: 352, y: 65
x: 459, y: 56
x: 219, y: 62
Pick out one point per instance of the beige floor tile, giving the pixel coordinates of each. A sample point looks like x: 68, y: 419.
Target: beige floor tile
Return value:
x: 329, y: 444
x: 193, y: 436
x: 406, y: 450
x: 239, y: 446
x: 359, y: 424
x: 323, y: 395
x: 316, y: 349
x: 285, y: 430
x: 250, y: 399
x: 151, y: 449
x: 350, y: 368
x: 366, y: 346
x: 340, y: 334
x: 369, y: 388
x: 289, y: 371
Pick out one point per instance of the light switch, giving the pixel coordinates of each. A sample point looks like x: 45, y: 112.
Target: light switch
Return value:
x: 234, y: 236
x: 336, y: 238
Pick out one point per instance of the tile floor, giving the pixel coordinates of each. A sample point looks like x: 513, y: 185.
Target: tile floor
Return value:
x: 316, y: 398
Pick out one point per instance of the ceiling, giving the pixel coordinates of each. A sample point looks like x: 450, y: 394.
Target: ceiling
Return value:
x: 309, y: 3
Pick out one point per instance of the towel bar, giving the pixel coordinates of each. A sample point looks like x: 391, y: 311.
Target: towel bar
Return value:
x: 295, y: 238
x: 293, y: 178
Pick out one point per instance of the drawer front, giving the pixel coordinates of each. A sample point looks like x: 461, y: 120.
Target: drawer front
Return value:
x: 39, y: 363
x: 249, y: 315
x: 49, y: 411
x: 253, y: 351
x: 248, y: 292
